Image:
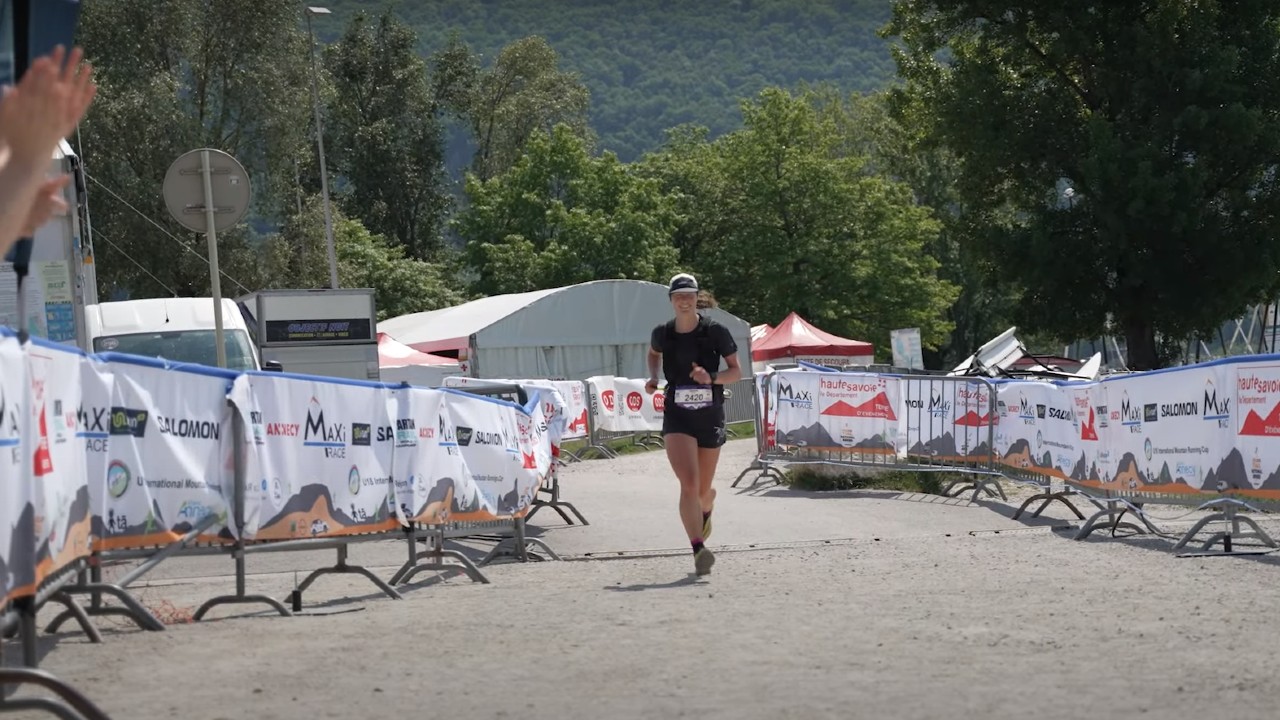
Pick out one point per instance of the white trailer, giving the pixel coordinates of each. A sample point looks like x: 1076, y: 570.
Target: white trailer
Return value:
x: 316, y: 332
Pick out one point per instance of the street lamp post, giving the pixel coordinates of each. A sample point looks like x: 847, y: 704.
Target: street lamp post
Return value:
x: 324, y: 175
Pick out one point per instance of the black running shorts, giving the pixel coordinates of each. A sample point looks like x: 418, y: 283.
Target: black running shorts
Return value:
x: 706, y: 425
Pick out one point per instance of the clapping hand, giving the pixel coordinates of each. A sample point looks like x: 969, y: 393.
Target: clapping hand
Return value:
x: 46, y: 104
x: 700, y: 375
x: 48, y: 202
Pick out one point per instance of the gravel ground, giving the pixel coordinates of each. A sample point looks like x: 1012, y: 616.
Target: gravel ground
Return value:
x: 833, y: 605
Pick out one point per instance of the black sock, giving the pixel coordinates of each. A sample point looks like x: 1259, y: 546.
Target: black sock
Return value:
x: 697, y: 546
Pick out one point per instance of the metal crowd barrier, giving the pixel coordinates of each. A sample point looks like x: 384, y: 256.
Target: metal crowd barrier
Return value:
x: 928, y: 441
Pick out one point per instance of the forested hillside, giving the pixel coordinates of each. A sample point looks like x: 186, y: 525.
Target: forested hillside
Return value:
x: 653, y: 64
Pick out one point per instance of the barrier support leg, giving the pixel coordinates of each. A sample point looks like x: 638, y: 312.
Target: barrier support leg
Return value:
x: 979, y: 484
x: 133, y: 609
x: 75, y: 706
x: 555, y: 503
x: 764, y: 471
x: 25, y: 607
x: 1230, y: 514
x: 1112, y: 510
x: 74, y: 611
x: 241, y: 597
x: 342, y: 568
x: 1045, y: 498
x: 436, y: 558
x: 517, y: 546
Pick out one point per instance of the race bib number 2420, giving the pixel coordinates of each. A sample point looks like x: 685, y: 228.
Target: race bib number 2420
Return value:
x: 693, y: 398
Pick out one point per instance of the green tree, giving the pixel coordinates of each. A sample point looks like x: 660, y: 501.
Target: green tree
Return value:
x: 296, y: 258
x: 897, y: 145
x: 561, y: 216
x: 387, y: 141
x: 780, y: 217
x: 525, y: 91
x: 176, y: 75
x: 1159, y: 120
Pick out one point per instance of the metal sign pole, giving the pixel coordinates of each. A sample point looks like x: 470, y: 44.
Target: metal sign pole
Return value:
x: 207, y: 190
x: 215, y: 281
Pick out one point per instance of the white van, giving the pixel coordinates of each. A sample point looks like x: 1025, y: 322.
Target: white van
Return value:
x: 176, y: 329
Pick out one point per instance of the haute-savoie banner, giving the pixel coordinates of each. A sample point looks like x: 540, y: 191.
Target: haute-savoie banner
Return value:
x: 838, y: 412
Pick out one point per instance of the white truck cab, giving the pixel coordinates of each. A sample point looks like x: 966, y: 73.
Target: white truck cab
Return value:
x: 176, y: 329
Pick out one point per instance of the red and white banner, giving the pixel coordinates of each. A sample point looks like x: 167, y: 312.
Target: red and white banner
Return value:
x: 622, y: 405
x: 56, y: 459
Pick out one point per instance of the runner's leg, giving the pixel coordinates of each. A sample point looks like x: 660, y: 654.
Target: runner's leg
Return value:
x: 682, y: 453
x: 707, y: 460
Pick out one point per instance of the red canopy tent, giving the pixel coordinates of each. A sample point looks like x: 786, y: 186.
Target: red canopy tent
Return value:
x: 795, y: 339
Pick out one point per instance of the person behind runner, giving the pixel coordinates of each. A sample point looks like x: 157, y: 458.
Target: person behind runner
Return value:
x: 689, y: 348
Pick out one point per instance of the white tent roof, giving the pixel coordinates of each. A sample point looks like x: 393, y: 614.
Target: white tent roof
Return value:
x: 449, y: 328
x: 591, y: 328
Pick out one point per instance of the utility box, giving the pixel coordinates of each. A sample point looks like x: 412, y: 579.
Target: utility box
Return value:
x: 327, y: 332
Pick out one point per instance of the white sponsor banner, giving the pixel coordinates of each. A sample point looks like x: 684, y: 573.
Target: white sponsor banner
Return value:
x: 489, y: 440
x: 622, y: 405
x: 431, y: 479
x: 1089, y: 403
x: 92, y: 434
x: 565, y: 403
x: 839, y: 411
x: 1171, y: 433
x: 17, y: 515
x: 167, y: 462
x: 1037, y: 430
x: 947, y: 420
x: 56, y: 459
x: 320, y: 456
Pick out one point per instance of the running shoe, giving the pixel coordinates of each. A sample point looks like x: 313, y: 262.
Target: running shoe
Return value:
x: 703, y: 560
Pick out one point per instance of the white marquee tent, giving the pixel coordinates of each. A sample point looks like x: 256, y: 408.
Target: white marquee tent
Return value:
x: 572, y: 333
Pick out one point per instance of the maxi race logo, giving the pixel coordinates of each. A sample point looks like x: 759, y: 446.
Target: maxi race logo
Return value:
x: 331, y: 437
x: 789, y: 395
x: 1130, y: 414
x: 1216, y: 408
